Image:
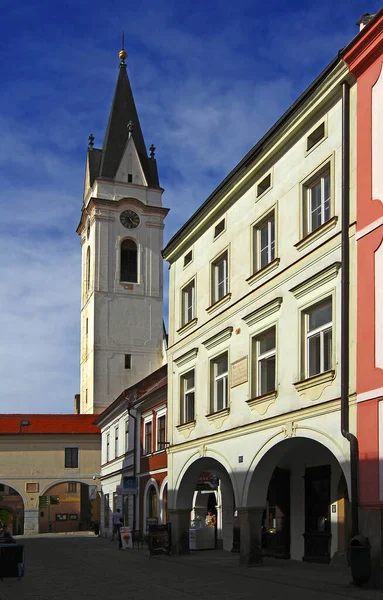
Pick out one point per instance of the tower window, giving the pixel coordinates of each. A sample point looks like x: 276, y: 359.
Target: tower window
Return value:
x: 129, y: 267
x: 87, y: 270
x: 130, y: 178
x: 86, y: 326
x: 128, y: 361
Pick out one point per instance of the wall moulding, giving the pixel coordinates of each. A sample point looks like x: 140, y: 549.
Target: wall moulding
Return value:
x: 218, y: 338
x: 316, y: 281
x: 263, y: 312
x: 186, y: 357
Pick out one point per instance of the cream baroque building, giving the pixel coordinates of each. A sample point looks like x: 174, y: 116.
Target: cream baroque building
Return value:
x: 254, y: 340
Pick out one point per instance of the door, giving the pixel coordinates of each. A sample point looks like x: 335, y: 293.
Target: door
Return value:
x: 276, y: 518
x: 317, y: 514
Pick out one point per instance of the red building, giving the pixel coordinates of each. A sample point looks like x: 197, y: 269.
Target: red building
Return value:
x: 365, y: 59
x: 152, y: 473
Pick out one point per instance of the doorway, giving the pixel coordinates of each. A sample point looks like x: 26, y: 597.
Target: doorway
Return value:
x: 317, y: 534
x: 276, y: 517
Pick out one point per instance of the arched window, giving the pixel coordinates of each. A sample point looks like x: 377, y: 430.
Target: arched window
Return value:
x: 87, y: 270
x: 129, y: 270
x: 152, y: 502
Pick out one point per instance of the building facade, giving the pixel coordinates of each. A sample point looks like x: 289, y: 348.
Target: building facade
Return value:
x: 121, y: 230
x: 47, y: 472
x: 365, y: 59
x: 254, y: 351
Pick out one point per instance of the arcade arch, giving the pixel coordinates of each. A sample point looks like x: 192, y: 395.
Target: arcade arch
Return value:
x: 12, y: 509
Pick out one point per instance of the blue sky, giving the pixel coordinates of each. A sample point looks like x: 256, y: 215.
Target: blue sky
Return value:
x: 209, y: 78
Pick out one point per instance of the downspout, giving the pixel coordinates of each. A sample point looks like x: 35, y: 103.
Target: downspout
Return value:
x: 345, y: 309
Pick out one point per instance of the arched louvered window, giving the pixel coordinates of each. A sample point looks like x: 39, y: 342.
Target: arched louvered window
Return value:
x: 87, y: 270
x: 129, y: 256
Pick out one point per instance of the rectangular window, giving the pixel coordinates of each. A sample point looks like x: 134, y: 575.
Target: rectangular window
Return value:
x: 71, y: 487
x: 86, y: 326
x: 188, y: 294
x: 128, y: 361
x: 315, y: 136
x: 318, y: 333
x: 32, y: 487
x: 264, y: 363
x: 264, y: 185
x: 219, y: 228
x: 188, y: 258
x: 2, y: 487
x: 130, y: 178
x: 148, y: 437
x: 264, y: 242
x: 220, y: 277
x: 71, y: 458
x: 219, y: 375
x: 116, y: 442
x: 107, y: 447
x: 161, y: 432
x: 127, y: 435
x: 187, y: 397
x: 317, y: 197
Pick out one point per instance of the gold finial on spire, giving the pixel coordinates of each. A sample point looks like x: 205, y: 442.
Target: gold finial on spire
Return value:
x: 122, y: 54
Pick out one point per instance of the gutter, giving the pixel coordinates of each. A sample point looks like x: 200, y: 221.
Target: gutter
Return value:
x: 131, y: 415
x: 345, y: 310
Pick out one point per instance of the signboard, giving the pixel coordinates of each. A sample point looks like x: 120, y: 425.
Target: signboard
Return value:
x: 159, y: 539
x: 126, y: 537
x: 92, y: 489
x: 44, y: 502
x: 207, y: 481
x: 129, y: 486
x: 239, y: 372
x: 55, y: 499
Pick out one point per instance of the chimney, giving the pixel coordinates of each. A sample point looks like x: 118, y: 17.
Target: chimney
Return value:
x: 77, y: 404
x: 364, y: 19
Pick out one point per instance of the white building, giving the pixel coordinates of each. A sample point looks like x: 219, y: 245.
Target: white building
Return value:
x: 254, y: 341
x: 121, y: 229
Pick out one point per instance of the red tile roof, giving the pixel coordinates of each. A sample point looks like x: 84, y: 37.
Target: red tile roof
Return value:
x: 48, y: 424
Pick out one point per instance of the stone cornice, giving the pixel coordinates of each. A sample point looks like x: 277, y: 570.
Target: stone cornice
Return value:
x: 218, y: 338
x: 263, y: 311
x: 184, y: 358
x: 316, y: 281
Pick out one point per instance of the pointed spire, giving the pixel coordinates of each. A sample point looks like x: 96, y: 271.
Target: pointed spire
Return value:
x: 124, y: 124
x: 91, y: 141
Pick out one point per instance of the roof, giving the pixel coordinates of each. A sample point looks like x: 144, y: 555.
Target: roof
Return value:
x: 157, y: 386
x: 41, y: 423
x: 133, y: 395
x: 250, y: 156
x: 123, y: 111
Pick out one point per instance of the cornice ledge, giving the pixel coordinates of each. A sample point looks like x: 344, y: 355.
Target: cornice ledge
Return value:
x: 187, y: 326
x: 320, y: 379
x: 316, y: 234
x: 263, y: 312
x: 366, y: 48
x: 185, y: 429
x: 184, y: 358
x: 316, y: 280
x: 219, y: 303
x: 218, y: 338
x: 274, y: 264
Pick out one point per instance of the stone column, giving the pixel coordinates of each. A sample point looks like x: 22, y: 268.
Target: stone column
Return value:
x: 250, y: 520
x: 31, y: 521
x: 180, y: 520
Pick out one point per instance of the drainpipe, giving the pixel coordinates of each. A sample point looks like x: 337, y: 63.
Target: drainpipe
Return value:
x: 345, y: 309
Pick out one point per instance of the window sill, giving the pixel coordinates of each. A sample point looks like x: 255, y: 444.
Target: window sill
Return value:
x: 320, y: 379
x: 219, y: 303
x: 274, y: 264
x: 128, y: 285
x: 187, y: 326
x: 219, y: 417
x: 185, y: 429
x: 261, y: 404
x: 316, y: 234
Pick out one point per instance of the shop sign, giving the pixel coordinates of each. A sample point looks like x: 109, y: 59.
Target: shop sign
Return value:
x: 207, y: 481
x: 92, y: 492
x: 126, y: 537
x: 44, y: 502
x: 159, y: 539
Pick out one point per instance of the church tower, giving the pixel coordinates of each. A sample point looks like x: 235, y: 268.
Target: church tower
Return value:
x: 121, y: 230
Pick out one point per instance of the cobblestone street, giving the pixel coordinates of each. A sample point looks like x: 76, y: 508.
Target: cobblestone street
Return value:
x: 83, y: 566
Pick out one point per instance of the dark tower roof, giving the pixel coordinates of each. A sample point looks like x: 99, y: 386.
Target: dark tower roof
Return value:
x: 122, y: 112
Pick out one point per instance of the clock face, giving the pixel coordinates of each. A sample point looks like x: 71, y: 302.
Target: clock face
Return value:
x: 129, y: 219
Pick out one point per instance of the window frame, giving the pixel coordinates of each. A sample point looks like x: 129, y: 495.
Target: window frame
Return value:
x: 188, y: 258
x: 126, y: 435
x: 322, y: 329
x: 223, y: 257
x: 257, y: 227
x: 191, y: 285
x: 116, y: 444
x: 258, y: 358
x: 66, y: 452
x: 137, y: 273
x: 184, y: 393
x: 260, y: 190
x: 147, y: 421
x: 308, y: 185
x: 219, y: 228
x: 71, y: 484
x: 161, y: 414
x: 107, y: 452
x: 215, y: 378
